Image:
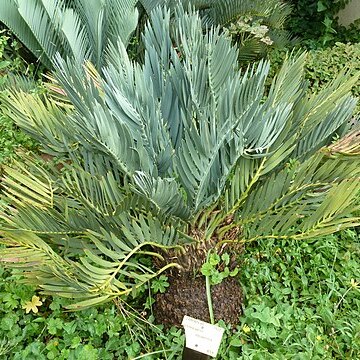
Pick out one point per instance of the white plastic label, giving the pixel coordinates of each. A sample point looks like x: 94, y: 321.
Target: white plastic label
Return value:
x: 202, y: 336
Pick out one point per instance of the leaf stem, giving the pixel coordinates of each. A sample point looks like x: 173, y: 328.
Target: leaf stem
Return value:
x: 208, y: 293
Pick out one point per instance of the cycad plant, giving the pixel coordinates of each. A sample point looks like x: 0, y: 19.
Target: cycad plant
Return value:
x: 82, y: 29
x: 254, y: 25
x: 182, y: 152
x: 223, y: 12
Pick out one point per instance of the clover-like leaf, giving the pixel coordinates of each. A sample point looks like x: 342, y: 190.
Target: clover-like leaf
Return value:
x: 207, y: 269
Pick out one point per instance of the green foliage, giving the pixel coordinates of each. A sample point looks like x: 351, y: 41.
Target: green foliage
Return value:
x: 12, y: 139
x: 323, y: 65
x: 217, y: 268
x: 256, y: 26
x: 255, y: 38
x: 107, y: 333
x: 11, y: 58
x: 181, y: 148
x: 82, y: 30
x: 302, y: 300
x: 315, y: 23
x: 12, y: 62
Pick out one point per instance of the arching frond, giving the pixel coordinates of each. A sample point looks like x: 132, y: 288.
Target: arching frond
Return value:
x: 310, y: 200
x: 226, y: 11
x: 76, y: 36
x: 43, y: 20
x: 10, y: 16
x: 91, y: 281
x: 122, y: 20
x: 44, y: 120
x: 82, y: 32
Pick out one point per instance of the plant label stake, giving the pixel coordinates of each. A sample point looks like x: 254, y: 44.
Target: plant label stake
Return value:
x: 202, y: 339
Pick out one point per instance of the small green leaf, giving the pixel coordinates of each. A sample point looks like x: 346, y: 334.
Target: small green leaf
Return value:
x: 4, y: 64
x: 225, y: 258
x: 320, y: 6
x: 160, y: 284
x: 75, y: 342
x: 236, y: 342
x: 217, y: 277
x: 9, y: 301
x: 207, y: 269
x: 234, y: 272
x: 70, y: 327
x: 214, y: 259
x: 39, y: 320
x: 54, y: 325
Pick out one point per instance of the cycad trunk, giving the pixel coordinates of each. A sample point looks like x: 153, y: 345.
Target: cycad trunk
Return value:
x: 186, y: 294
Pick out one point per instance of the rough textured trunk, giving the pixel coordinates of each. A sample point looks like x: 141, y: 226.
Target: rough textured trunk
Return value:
x: 186, y: 294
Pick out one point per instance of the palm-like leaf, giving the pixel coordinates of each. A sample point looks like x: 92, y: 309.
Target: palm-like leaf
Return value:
x: 164, y: 153
x: 222, y: 12
x: 10, y: 16
x: 314, y: 197
x: 92, y: 277
x: 226, y: 13
x: 83, y: 31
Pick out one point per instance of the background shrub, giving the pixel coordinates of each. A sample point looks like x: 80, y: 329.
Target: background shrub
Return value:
x: 12, y: 61
x: 14, y: 57
x: 324, y: 65
x: 315, y: 23
x: 11, y: 139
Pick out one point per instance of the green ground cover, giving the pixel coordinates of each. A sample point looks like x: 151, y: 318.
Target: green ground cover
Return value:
x: 302, y: 301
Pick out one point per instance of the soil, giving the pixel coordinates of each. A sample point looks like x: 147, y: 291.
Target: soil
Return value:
x: 186, y: 295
